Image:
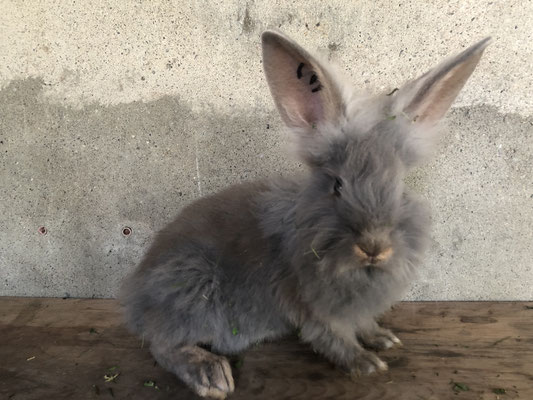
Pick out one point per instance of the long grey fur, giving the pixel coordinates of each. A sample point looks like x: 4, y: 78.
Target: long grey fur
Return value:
x: 261, y: 259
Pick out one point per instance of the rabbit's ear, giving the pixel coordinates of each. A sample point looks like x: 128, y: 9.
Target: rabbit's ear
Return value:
x: 427, y: 98
x: 303, y: 91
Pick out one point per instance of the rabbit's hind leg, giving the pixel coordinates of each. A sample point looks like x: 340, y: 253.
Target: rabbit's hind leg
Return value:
x: 206, y: 373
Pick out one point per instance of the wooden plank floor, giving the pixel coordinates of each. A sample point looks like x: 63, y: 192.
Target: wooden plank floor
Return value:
x: 61, y: 349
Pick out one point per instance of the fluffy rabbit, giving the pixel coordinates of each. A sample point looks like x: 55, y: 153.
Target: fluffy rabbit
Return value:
x: 326, y: 253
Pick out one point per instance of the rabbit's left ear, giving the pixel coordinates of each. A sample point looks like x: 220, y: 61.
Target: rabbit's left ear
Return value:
x: 427, y: 98
x: 303, y: 90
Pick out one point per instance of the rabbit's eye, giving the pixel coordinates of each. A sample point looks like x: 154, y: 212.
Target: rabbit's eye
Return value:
x: 337, y: 188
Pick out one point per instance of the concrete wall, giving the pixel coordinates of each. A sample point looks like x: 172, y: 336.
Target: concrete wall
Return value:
x: 116, y: 115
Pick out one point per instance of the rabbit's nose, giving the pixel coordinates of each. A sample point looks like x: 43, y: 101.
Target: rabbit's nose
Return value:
x: 373, y: 255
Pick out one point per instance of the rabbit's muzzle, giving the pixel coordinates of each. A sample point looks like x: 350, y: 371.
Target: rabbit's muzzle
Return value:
x: 373, y: 255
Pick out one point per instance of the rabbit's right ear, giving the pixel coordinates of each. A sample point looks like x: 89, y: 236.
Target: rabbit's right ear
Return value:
x: 303, y: 90
x: 427, y: 98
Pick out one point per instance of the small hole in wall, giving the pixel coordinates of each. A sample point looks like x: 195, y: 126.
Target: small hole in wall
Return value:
x: 126, y: 231
x: 42, y: 230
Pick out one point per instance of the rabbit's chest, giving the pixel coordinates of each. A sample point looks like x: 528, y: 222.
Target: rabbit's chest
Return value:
x: 361, y: 299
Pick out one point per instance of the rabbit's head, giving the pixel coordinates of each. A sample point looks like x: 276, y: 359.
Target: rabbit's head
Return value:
x: 358, y: 149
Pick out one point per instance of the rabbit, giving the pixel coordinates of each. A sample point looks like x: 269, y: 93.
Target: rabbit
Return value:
x: 326, y: 253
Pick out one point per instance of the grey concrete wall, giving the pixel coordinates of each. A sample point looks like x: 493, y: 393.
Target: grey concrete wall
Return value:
x: 117, y: 115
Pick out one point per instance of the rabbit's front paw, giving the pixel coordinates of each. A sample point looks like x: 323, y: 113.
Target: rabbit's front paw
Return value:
x: 367, y: 363
x: 209, y: 375
x: 381, y: 339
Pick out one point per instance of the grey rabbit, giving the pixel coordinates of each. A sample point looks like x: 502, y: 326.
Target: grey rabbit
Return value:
x: 327, y: 252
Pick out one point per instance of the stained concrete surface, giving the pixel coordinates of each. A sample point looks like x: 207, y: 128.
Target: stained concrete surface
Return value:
x: 118, y: 115
x: 85, y: 174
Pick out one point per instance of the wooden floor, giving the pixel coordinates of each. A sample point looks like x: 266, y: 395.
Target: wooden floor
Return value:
x: 63, y: 349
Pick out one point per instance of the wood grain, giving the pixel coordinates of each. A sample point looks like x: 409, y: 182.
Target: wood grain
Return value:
x: 484, y: 346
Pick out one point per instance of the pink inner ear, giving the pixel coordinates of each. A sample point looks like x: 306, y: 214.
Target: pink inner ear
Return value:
x: 296, y: 87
